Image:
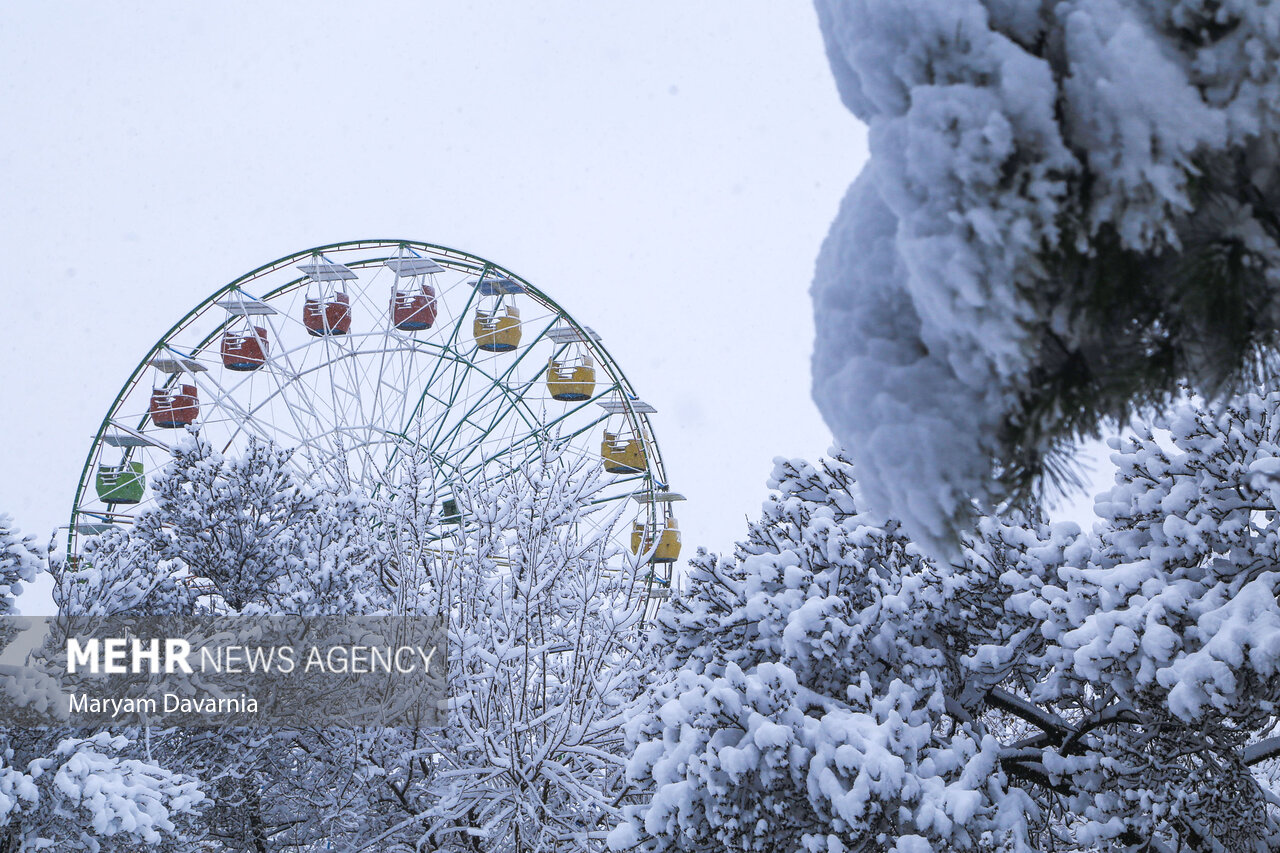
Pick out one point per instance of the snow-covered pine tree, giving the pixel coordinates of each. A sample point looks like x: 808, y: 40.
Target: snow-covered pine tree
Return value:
x: 1069, y: 209
x: 21, y: 559
x: 1172, y: 627
x: 815, y: 701
x: 830, y: 688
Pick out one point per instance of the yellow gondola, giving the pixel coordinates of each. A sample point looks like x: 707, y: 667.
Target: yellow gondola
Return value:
x: 495, y: 332
x: 668, y: 548
x: 567, y: 381
x: 622, y: 455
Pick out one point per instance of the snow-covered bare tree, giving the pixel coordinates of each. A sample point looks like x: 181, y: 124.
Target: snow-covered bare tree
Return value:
x: 543, y: 648
x: 259, y: 533
x: 544, y: 661
x: 831, y: 688
x: 249, y: 535
x: 1069, y: 209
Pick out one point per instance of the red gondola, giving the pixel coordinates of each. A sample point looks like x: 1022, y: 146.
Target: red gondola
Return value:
x: 327, y: 316
x: 413, y: 311
x: 174, y: 408
x: 245, y: 350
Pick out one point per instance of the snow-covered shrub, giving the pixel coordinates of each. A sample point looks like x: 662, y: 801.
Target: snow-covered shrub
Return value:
x: 63, y: 790
x: 88, y: 794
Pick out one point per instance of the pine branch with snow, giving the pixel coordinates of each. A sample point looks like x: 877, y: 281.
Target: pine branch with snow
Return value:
x: 832, y: 688
x: 1069, y: 210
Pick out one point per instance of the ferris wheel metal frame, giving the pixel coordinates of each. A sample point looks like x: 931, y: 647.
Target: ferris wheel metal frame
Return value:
x: 191, y: 346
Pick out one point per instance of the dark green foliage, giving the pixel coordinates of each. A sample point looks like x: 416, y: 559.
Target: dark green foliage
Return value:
x: 1128, y: 331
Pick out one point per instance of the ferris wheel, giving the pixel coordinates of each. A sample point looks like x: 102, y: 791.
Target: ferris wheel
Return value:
x: 351, y: 352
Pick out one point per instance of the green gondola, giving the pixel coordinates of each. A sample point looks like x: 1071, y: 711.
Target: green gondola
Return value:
x: 121, y: 484
x: 449, y: 513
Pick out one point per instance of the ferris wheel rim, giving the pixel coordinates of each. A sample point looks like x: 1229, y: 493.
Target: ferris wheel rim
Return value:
x: 448, y: 257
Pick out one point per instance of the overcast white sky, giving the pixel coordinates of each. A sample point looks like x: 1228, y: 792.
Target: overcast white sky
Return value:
x: 666, y: 171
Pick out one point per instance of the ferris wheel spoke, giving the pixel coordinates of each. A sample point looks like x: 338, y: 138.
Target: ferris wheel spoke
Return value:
x: 288, y: 383
x: 450, y: 354
x: 502, y: 381
x: 299, y: 397
x: 302, y: 386
x: 244, y: 420
x: 390, y: 399
x: 344, y: 406
x: 387, y: 331
x: 309, y: 384
x: 501, y: 384
x: 466, y: 370
x: 484, y: 398
x: 507, y: 459
x: 531, y: 441
x: 451, y: 344
x: 398, y: 390
x: 218, y: 397
x: 642, y: 480
x: 301, y: 429
x: 413, y: 429
x: 543, y: 426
